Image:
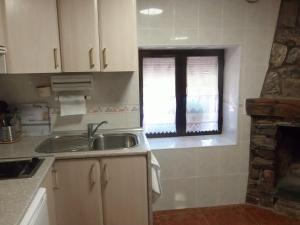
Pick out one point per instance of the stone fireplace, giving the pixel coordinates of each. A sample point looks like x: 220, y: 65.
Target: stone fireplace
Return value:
x: 274, y: 169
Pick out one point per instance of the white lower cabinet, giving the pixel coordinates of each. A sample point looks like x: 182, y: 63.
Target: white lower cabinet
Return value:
x: 49, y: 185
x: 124, y: 190
x: 106, y: 191
x: 77, y: 192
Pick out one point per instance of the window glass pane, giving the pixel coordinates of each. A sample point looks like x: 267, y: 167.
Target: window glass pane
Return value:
x: 159, y: 96
x: 202, y: 94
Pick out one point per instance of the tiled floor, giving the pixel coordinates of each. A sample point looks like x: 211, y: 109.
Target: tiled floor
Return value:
x: 225, y: 215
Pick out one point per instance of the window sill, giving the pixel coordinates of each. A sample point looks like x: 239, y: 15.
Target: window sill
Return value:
x: 189, y: 142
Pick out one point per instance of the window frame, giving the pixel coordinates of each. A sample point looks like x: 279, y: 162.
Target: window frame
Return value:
x: 180, y: 56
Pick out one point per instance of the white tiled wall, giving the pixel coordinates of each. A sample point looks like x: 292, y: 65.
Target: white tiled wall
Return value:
x: 110, y: 89
x: 196, y: 177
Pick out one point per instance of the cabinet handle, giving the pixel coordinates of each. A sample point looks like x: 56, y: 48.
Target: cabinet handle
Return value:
x: 92, y: 175
x: 55, y: 58
x: 104, y: 58
x: 105, y: 175
x: 91, y: 55
x: 56, y: 181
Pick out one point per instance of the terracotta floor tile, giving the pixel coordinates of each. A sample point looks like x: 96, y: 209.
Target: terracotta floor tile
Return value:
x: 224, y: 215
x: 268, y: 217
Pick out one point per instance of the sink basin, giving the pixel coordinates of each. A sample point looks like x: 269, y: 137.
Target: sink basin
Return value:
x: 79, y: 143
x: 66, y: 143
x: 114, y: 141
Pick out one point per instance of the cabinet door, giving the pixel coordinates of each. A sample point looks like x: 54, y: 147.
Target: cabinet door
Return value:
x: 124, y: 190
x: 78, y: 20
x: 118, y: 35
x: 2, y: 29
x: 78, y: 192
x: 32, y: 36
x: 48, y: 184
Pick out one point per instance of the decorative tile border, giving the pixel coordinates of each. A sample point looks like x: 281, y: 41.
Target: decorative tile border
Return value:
x: 105, y: 109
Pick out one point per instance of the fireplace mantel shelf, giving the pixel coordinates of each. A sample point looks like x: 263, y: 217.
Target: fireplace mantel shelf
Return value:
x: 284, y: 108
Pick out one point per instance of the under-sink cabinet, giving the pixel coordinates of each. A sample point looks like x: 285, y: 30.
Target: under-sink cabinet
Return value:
x: 124, y: 190
x: 77, y: 192
x: 104, y: 191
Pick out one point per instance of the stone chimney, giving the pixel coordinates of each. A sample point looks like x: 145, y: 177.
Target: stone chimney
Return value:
x: 283, y: 76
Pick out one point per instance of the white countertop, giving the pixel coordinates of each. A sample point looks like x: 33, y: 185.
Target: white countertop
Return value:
x: 17, y: 194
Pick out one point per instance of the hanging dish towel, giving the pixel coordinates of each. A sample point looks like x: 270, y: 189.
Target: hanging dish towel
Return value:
x: 156, y: 185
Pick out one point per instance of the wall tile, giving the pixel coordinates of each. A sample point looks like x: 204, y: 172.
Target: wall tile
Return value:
x: 245, y: 153
x: 166, y: 18
x: 115, y: 120
x: 160, y: 36
x: 233, y: 14
x: 184, y: 36
x: 231, y: 189
x: 232, y: 72
x: 208, y: 162
x: 177, y: 163
x: 143, y: 37
x: 209, y: 36
x: 232, y: 36
x: 230, y: 160
x: 213, y: 8
x: 244, y: 125
x: 184, y: 8
x: 230, y: 121
x: 143, y: 20
x: 207, y: 191
x: 177, y: 194
x: 252, y: 80
x: 258, y: 44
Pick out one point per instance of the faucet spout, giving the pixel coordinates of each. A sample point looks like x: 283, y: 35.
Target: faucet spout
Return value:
x: 92, y: 131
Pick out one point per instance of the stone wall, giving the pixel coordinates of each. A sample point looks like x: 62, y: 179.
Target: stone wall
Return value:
x: 283, y: 76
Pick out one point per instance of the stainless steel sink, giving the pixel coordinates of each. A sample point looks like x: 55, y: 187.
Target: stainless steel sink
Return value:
x: 77, y: 143
x: 65, y: 143
x: 114, y: 141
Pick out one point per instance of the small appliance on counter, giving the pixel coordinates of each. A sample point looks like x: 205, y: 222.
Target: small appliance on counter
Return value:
x: 10, y: 125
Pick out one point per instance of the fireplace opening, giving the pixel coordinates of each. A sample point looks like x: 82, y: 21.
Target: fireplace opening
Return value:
x: 288, y: 164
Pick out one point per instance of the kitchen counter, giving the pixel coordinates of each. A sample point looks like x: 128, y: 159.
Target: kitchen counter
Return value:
x: 17, y: 194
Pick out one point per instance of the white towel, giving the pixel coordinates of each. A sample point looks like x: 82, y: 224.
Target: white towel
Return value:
x: 156, y: 185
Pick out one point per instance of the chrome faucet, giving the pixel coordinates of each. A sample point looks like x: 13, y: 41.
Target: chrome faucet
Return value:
x: 91, y: 131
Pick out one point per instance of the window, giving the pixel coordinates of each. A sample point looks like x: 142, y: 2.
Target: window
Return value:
x: 181, y: 92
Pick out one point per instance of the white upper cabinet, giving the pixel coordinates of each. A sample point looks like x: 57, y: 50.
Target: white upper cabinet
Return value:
x: 118, y: 35
x: 79, y: 36
x: 2, y: 24
x: 32, y: 36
